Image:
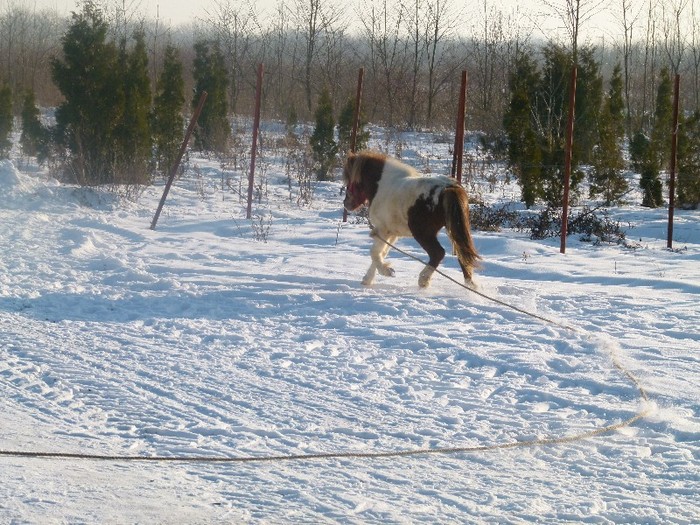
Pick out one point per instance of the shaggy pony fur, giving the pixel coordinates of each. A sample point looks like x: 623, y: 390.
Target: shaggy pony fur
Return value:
x: 403, y: 203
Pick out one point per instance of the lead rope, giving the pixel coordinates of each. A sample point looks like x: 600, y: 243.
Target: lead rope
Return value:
x: 641, y: 414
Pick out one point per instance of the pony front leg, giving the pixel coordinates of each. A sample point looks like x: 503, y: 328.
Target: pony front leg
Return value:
x: 378, y: 253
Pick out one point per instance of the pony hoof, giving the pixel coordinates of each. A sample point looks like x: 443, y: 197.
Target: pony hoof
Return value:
x: 425, y: 276
x: 388, y: 271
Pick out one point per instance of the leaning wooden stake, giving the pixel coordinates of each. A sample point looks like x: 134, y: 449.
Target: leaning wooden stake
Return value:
x: 458, y: 154
x: 176, y: 165
x: 355, y: 122
x: 567, y: 160
x: 254, y: 149
x: 674, y: 159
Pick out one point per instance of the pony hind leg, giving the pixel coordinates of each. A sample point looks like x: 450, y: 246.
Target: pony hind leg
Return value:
x: 467, y: 272
x: 435, y: 252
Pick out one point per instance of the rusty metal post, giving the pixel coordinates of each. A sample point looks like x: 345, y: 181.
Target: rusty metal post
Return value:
x: 183, y: 147
x: 356, y: 115
x: 567, y: 159
x: 253, y: 152
x: 458, y: 154
x: 355, y: 121
x: 674, y: 159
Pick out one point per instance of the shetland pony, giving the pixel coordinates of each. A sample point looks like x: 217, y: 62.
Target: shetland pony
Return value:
x: 403, y: 203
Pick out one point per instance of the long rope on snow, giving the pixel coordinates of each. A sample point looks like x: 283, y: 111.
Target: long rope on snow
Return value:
x: 540, y: 442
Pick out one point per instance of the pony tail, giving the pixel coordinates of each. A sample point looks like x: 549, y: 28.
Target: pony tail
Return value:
x: 456, y: 206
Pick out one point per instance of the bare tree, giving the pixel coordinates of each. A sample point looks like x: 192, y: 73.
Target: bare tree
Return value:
x: 284, y: 48
x: 573, y: 14
x: 491, y: 54
x: 416, y: 31
x: 28, y: 40
x: 674, y: 41
x: 439, y: 41
x: 695, y: 50
x: 313, y: 18
x: 628, y: 17
x: 233, y: 24
x: 382, y: 28
x: 649, y: 65
x: 334, y: 58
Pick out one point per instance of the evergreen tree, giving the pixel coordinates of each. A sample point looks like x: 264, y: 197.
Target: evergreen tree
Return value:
x: 663, y: 120
x: 5, y: 121
x: 213, y: 132
x: 658, y: 149
x: 524, y: 156
x: 88, y: 77
x: 607, y: 174
x: 650, y: 183
x: 168, y: 121
x: 345, y: 125
x: 34, y: 138
x: 616, y: 103
x: 553, y: 105
x: 688, y: 183
x: 536, y: 119
x: 639, y: 150
x: 589, y: 104
x: 323, y: 144
x: 132, y: 134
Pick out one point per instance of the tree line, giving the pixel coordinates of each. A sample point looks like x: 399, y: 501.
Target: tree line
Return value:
x: 412, y: 53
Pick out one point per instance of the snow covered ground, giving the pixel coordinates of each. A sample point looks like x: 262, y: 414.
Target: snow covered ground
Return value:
x: 215, y: 336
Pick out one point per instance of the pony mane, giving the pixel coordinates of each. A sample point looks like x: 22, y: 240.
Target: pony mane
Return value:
x: 361, y: 163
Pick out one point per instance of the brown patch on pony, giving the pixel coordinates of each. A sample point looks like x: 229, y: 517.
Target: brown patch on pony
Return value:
x: 425, y: 220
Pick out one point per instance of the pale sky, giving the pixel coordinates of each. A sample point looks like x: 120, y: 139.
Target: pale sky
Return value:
x: 603, y: 24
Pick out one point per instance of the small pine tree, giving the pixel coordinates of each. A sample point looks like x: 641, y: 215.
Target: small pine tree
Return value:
x: 133, y: 131
x: 213, y: 132
x: 5, y: 121
x: 323, y: 144
x: 524, y: 154
x: 650, y: 183
x: 658, y: 150
x: 639, y: 150
x: 606, y: 176
x: 663, y: 120
x: 88, y: 77
x: 590, y: 100
x: 34, y: 137
x: 345, y: 125
x: 688, y: 184
x: 615, y: 102
x: 167, y: 119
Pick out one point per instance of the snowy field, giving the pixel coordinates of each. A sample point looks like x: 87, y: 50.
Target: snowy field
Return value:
x: 218, y: 337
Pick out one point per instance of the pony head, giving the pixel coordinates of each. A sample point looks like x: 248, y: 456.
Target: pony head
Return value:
x: 361, y: 175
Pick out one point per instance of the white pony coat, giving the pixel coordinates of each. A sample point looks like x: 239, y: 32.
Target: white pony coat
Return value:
x: 400, y: 187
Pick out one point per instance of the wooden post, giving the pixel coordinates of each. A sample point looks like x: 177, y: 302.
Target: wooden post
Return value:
x: 183, y: 147
x: 458, y: 154
x: 254, y: 149
x: 674, y: 159
x: 355, y: 121
x: 567, y: 159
